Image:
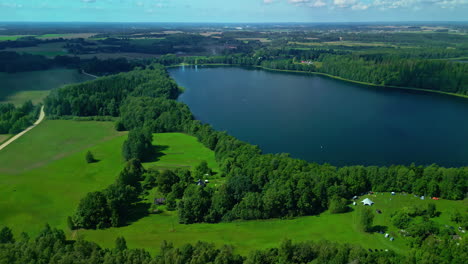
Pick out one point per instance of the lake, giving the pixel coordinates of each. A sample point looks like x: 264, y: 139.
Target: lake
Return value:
x: 324, y: 120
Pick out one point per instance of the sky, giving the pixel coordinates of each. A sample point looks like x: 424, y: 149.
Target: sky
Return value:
x: 233, y: 10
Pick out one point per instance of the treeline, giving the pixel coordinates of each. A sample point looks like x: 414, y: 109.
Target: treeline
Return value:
x: 436, y: 75
x: 15, y: 119
x: 51, y: 246
x: 378, y: 69
x: 104, y: 96
x: 12, y: 62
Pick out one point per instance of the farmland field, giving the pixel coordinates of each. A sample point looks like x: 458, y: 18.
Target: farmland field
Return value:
x: 20, y: 87
x: 47, y: 49
x: 12, y: 37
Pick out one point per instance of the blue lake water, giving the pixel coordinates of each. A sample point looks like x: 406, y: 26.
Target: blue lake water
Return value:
x: 323, y: 120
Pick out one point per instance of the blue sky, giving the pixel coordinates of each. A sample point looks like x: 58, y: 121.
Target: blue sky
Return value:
x: 233, y: 10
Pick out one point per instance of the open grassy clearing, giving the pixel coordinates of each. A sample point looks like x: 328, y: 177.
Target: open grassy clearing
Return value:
x: 44, y: 173
x: 150, y: 231
x: 20, y: 87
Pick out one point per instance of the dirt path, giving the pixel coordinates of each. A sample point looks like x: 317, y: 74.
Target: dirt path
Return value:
x: 85, y: 73
x: 39, y: 120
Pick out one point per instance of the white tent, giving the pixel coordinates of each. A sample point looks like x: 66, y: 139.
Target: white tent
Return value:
x: 367, y: 201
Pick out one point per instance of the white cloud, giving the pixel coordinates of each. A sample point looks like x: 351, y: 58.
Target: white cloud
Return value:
x: 88, y: 1
x: 268, y: 1
x: 318, y: 3
x: 378, y: 4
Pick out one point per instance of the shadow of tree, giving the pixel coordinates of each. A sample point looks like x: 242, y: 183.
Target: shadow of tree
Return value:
x: 156, y: 153
x: 136, y: 212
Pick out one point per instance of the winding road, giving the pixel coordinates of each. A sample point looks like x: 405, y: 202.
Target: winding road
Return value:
x: 39, y: 120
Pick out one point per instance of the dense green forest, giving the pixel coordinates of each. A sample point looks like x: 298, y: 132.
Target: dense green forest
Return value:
x: 15, y: 119
x: 12, y: 62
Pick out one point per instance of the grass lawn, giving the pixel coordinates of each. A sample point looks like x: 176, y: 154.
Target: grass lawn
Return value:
x: 150, y: 231
x: 47, y: 173
x: 35, y: 85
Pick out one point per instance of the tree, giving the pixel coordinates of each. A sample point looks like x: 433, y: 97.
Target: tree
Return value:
x: 93, y: 212
x: 165, y: 181
x: 338, y: 205
x: 201, y: 170
x: 6, y: 236
x: 138, y: 145
x: 120, y: 244
x: 90, y: 157
x: 431, y: 210
x: 366, y: 219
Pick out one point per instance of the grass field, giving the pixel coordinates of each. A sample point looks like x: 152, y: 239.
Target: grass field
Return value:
x: 20, y: 87
x: 47, y: 173
x: 150, y: 231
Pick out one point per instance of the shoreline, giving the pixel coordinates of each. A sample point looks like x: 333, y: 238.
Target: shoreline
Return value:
x: 328, y: 75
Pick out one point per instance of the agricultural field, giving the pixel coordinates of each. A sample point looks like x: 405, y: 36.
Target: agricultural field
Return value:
x: 47, y: 49
x: 35, y: 86
x: 12, y: 37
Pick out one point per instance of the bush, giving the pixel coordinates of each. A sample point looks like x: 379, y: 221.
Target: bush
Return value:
x: 338, y: 205
x: 90, y: 157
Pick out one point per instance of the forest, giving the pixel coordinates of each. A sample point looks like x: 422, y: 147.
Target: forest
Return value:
x: 15, y: 119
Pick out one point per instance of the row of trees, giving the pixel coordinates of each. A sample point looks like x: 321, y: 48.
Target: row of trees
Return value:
x: 51, y: 246
x: 15, y: 119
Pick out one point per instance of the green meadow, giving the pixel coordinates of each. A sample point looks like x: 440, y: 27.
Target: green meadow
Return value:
x: 35, y: 85
x: 44, y: 175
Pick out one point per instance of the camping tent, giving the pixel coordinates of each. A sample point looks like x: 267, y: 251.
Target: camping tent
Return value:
x: 367, y: 201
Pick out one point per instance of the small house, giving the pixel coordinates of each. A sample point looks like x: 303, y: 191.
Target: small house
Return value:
x: 422, y: 197
x: 201, y: 183
x: 391, y: 239
x: 159, y: 201
x: 367, y: 201
x: 387, y: 235
x: 355, y: 197
x: 393, y: 193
